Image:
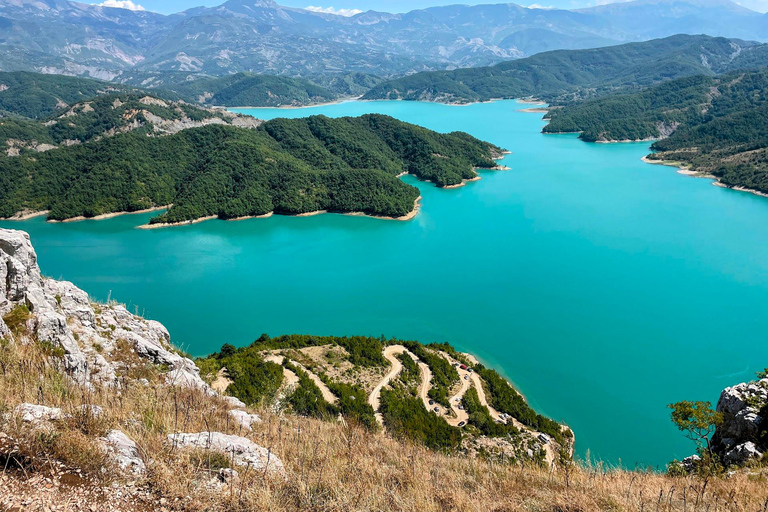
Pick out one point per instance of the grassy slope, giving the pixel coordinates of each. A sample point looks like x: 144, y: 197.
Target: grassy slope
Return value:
x: 330, y: 466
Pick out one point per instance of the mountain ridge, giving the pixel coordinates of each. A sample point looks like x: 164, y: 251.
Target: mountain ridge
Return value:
x: 57, y: 36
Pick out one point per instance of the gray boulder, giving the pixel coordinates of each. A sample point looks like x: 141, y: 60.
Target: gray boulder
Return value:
x: 124, y: 451
x: 742, y: 453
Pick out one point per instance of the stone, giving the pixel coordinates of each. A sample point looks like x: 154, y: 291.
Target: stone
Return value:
x: 228, y: 475
x: 244, y: 419
x: 36, y: 414
x: 233, y: 402
x: 690, y: 463
x: 125, y: 452
x: 742, y: 454
x: 244, y: 451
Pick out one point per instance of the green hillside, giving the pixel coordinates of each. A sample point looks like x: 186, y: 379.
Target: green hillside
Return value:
x: 285, y: 166
x: 105, y: 115
x: 35, y: 95
x: 248, y: 89
x: 566, y: 75
x: 716, y: 125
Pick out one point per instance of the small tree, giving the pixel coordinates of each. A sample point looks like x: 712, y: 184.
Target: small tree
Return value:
x: 697, y: 420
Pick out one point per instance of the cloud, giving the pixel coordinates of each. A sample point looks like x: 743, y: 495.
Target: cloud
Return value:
x: 121, y: 4
x: 539, y: 6
x: 337, y: 12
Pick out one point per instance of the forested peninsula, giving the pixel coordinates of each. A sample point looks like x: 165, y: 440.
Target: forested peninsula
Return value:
x: 129, y: 154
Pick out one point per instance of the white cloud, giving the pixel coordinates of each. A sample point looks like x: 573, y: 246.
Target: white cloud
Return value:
x: 331, y: 10
x: 539, y: 6
x: 121, y: 4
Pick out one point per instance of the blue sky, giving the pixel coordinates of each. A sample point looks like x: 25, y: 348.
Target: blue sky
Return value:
x: 171, y: 6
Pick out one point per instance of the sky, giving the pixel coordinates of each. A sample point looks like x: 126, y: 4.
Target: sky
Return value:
x: 348, y: 7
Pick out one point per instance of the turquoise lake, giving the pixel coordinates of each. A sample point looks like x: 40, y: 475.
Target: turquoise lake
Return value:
x: 603, y: 287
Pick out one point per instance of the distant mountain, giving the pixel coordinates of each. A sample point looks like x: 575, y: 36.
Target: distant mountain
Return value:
x: 260, y: 36
x: 565, y: 75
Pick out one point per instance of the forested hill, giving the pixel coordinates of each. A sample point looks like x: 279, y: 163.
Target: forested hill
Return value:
x: 248, y: 89
x: 283, y: 166
x: 105, y: 116
x: 252, y: 90
x: 576, y: 74
x: 34, y: 95
x: 715, y: 125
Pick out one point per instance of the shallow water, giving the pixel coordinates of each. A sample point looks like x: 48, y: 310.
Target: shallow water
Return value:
x: 603, y: 287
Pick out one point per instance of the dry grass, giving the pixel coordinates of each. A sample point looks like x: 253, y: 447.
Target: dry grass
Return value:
x: 330, y: 466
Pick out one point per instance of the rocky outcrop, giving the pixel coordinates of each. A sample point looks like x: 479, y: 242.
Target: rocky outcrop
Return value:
x: 242, y: 451
x: 738, y: 439
x: 124, y: 452
x: 99, y: 342
x: 37, y: 414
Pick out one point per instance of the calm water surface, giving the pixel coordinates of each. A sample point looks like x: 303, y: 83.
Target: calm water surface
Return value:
x: 603, y: 287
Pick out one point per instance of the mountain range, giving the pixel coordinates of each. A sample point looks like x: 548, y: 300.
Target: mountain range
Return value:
x: 139, y: 47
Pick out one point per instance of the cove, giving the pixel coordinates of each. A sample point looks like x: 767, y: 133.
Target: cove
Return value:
x: 603, y: 287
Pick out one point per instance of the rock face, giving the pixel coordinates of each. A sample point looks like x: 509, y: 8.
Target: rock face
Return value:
x: 243, y: 451
x: 98, y: 341
x: 743, y: 408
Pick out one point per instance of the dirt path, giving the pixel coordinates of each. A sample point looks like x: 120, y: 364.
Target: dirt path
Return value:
x: 390, y: 352
x: 222, y: 381
x: 289, y: 378
x: 426, y: 384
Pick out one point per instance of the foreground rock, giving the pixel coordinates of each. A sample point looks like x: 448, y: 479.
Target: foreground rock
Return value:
x: 99, y: 343
x: 125, y: 453
x: 744, y: 408
x: 243, y: 451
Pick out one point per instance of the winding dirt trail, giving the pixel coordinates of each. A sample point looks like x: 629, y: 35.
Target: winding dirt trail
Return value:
x: 291, y: 378
x: 390, y: 352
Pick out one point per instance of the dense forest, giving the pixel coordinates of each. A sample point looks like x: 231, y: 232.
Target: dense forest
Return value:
x: 567, y: 75
x: 715, y: 125
x: 283, y: 166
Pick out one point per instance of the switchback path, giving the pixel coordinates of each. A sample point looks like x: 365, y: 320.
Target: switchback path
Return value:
x: 390, y: 352
x: 291, y: 378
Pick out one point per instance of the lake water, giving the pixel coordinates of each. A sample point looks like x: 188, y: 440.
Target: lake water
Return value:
x: 603, y: 287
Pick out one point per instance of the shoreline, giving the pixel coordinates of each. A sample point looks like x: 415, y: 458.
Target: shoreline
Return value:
x: 104, y: 216
x: 26, y: 215
x: 686, y: 171
x: 311, y: 105
x: 408, y: 216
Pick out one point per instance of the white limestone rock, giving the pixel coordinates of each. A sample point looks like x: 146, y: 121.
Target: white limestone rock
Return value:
x: 244, y: 419
x: 233, y: 402
x: 63, y: 316
x: 37, y: 414
x: 740, y: 406
x: 125, y: 452
x: 742, y: 454
x: 244, y: 451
